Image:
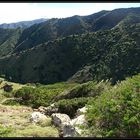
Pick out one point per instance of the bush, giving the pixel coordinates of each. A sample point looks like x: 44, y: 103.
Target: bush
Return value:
x: 41, y: 95
x: 11, y: 102
x: 27, y: 95
x: 116, y: 112
x: 70, y: 106
x: 89, y: 89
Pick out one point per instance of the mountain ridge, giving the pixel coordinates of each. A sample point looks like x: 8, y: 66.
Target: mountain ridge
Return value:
x: 65, y: 49
x: 21, y: 24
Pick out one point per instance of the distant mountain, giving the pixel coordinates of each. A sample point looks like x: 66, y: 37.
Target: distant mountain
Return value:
x: 22, y: 24
x: 55, y: 28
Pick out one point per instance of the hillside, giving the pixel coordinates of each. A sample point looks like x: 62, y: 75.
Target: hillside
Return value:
x: 55, y: 28
x: 111, y: 111
x: 102, y: 55
x: 8, y: 40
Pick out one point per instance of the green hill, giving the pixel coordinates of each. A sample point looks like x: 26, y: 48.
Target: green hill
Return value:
x: 108, y: 53
x: 77, y: 49
x: 55, y: 28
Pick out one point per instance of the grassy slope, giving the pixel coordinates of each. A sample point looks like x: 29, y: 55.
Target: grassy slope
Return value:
x: 15, y: 122
x: 113, y: 110
x: 15, y: 119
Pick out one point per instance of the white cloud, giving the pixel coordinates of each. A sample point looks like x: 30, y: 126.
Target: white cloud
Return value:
x: 13, y: 12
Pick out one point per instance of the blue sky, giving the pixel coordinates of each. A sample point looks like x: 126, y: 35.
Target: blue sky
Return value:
x: 14, y: 12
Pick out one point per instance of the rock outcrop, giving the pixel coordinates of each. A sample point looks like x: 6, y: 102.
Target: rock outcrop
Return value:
x: 48, y: 110
x: 37, y: 116
x: 80, y: 120
x: 66, y: 126
x: 77, y: 122
x: 63, y: 122
x: 60, y: 120
x: 82, y: 110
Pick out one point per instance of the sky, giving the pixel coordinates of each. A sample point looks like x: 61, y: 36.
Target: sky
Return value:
x: 15, y: 12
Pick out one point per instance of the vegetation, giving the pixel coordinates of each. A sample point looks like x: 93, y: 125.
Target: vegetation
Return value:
x: 70, y: 106
x: 115, y: 113
x: 107, y: 53
x: 14, y: 122
x: 71, y: 63
x: 41, y: 95
x: 92, y: 47
x: 88, y: 89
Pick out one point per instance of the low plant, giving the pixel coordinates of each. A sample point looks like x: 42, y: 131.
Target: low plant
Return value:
x: 116, y: 113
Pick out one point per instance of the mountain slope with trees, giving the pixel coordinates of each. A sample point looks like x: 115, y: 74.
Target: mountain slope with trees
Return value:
x: 106, y: 55
x: 70, y: 49
x: 55, y: 28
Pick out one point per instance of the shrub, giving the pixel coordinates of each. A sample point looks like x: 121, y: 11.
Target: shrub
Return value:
x: 26, y: 93
x: 89, y: 89
x: 41, y: 95
x: 11, y: 102
x: 116, y: 112
x: 70, y: 106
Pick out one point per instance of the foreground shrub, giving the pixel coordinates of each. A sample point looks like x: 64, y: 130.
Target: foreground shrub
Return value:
x: 116, y: 113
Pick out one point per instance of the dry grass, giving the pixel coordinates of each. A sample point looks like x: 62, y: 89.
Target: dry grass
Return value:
x: 17, y: 119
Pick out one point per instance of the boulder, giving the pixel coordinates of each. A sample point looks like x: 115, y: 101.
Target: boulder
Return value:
x: 79, y: 121
x: 82, y: 110
x: 52, y: 105
x: 68, y: 131
x: 37, y: 116
x: 48, y: 110
x: 42, y: 109
x: 59, y: 119
x: 7, y: 88
x: 63, y: 122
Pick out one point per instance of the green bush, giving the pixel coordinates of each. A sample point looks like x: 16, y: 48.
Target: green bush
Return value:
x: 116, y: 113
x: 89, y: 89
x: 27, y: 95
x: 70, y: 106
x: 41, y: 95
x: 11, y: 102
